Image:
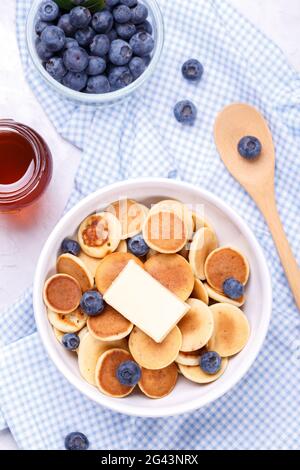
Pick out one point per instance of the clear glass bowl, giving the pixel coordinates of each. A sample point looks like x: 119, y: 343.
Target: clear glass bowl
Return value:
x: 155, y: 18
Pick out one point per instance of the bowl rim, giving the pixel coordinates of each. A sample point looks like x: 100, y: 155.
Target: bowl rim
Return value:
x: 101, y: 98
x: 171, y: 410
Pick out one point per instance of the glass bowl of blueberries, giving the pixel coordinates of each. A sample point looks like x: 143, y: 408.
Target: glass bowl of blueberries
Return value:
x: 95, y: 51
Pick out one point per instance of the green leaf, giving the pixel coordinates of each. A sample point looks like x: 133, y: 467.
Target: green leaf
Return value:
x: 93, y: 5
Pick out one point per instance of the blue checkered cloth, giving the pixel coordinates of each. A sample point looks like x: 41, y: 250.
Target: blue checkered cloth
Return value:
x: 141, y: 138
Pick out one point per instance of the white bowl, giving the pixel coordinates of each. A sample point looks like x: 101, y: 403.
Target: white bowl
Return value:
x: 230, y: 228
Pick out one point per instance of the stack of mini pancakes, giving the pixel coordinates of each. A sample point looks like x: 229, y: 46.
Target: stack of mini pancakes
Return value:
x: 188, y: 261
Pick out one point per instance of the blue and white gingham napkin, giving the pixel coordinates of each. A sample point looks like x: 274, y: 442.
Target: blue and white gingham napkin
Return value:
x: 141, y: 138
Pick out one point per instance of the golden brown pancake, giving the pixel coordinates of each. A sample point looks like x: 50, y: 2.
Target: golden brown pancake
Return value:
x: 131, y: 215
x: 158, y: 383
x: 110, y: 325
x: 90, y: 262
x: 223, y: 263
x: 173, y: 272
x: 151, y: 355
x: 75, y: 267
x: 196, y: 326
x: 165, y: 232
x: 196, y: 374
x: 62, y: 293
x: 106, y: 373
x: 110, y: 267
x: 200, y: 292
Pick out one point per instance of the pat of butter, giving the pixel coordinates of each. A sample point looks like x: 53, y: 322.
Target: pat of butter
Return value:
x: 145, y: 302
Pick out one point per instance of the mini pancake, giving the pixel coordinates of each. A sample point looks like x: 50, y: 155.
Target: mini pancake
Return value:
x: 173, y: 272
x: 181, y: 210
x: 191, y: 358
x: 165, y: 232
x: 204, y: 242
x: 90, y: 263
x: 196, y: 374
x: 196, y: 326
x: 231, y: 330
x: 68, y: 322
x: 111, y: 267
x: 89, y: 351
x: 218, y: 297
x: 110, y: 325
x: 75, y: 267
x: 100, y: 234
x: 106, y: 373
x: 131, y: 215
x: 200, y: 222
x: 151, y: 355
x: 158, y: 383
x: 223, y: 263
x: 200, y: 291
x: 122, y: 247
x: 62, y: 293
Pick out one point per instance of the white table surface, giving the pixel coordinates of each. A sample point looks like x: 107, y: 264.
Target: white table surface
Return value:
x: 22, y: 235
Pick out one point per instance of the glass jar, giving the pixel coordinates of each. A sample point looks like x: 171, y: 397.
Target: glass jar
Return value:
x: 25, y: 165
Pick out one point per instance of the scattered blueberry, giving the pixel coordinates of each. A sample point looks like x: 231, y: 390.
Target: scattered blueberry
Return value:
x: 137, y: 67
x: 64, y: 23
x: 100, y: 45
x: 76, y: 440
x: 137, y: 245
x: 80, y: 17
x: 102, y: 21
x: 112, y: 35
x: 54, y: 38
x: 97, y: 65
x: 120, y: 52
x: 119, y: 77
x: 126, y: 30
x: 42, y: 51
x: 185, y: 112
x: 55, y: 67
x: 129, y: 3
x: 142, y: 43
x: 122, y: 14
x: 92, y: 303
x: 70, y: 246
x: 49, y: 10
x: 40, y: 25
x: 98, y: 84
x: 75, y: 80
x: 85, y: 36
x: 210, y: 362
x: 145, y: 26
x: 192, y: 70
x: 233, y: 289
x: 249, y: 147
x: 139, y: 14
x: 71, y: 42
x: 76, y: 59
x: 70, y: 341
x: 129, y: 373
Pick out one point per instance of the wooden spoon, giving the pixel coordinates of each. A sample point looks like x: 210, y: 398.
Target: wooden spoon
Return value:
x: 256, y: 176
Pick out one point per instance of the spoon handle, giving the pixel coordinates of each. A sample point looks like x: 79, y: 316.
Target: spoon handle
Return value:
x: 267, y: 205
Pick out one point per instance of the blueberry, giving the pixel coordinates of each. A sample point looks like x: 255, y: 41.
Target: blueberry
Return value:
x: 71, y: 42
x: 98, y: 84
x: 137, y: 67
x: 76, y: 59
x: 80, y: 17
x: 102, y: 21
x: 126, y: 30
x: 119, y: 77
x: 100, y: 45
x: 185, y: 112
x: 112, y: 35
x: 75, y: 80
x: 120, y: 52
x: 49, y: 10
x: 233, y: 288
x: 111, y: 3
x: 55, y: 67
x: 92, y: 303
x: 70, y: 341
x: 210, y: 362
x: 70, y: 246
x: 85, y: 36
x: 76, y: 441
x: 137, y: 245
x: 42, y: 51
x: 145, y: 26
x: 139, y: 14
x: 192, y: 70
x: 249, y: 147
x: 40, y: 25
x: 142, y: 43
x: 129, y: 3
x: 54, y: 38
x: 129, y: 373
x: 122, y: 14
x: 64, y: 23
x: 96, y: 66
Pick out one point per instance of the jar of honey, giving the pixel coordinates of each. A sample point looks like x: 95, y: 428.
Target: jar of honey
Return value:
x: 25, y: 165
